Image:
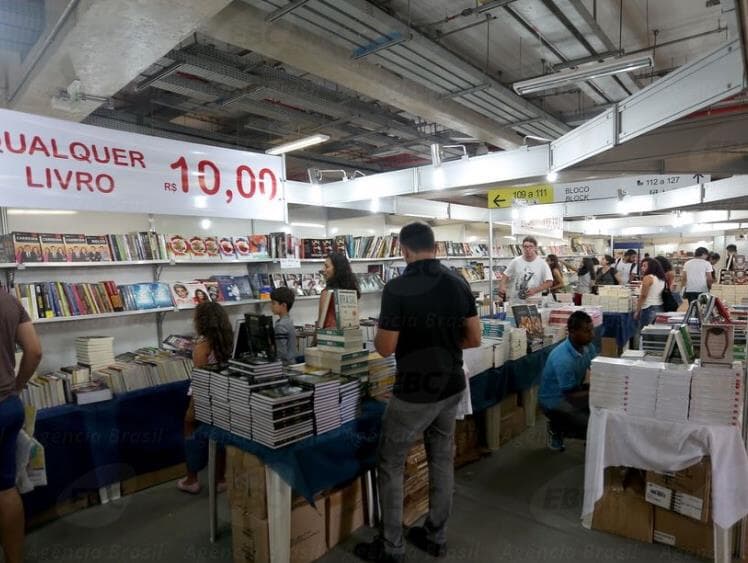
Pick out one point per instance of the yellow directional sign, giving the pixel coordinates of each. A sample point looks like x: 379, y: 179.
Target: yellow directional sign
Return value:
x: 504, y: 197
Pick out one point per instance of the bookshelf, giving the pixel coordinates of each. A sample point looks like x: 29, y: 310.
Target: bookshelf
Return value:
x: 100, y: 316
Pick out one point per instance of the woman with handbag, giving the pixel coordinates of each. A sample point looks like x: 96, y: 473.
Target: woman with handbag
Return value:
x: 650, y: 299
x: 607, y: 274
x: 667, y: 267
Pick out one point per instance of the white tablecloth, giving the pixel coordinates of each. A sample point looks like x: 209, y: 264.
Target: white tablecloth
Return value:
x: 617, y: 439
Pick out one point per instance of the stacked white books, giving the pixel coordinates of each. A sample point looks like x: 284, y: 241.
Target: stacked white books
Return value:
x: 219, y: 400
x: 382, y: 372
x: 609, y: 384
x: 95, y: 351
x: 281, y: 415
x: 340, y: 340
x: 517, y: 343
x: 45, y: 391
x: 717, y: 395
x: 201, y: 395
x: 341, y: 362
x: 350, y: 400
x: 240, y: 414
x: 326, y: 391
x: 643, y: 383
x: 673, y: 392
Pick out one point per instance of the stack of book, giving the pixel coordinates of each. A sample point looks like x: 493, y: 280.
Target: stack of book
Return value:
x: 609, y: 385
x: 340, y: 341
x: 382, y: 373
x: 326, y: 399
x: 654, y: 339
x: 350, y: 400
x: 673, y: 392
x: 350, y: 364
x: 517, y: 343
x: 95, y: 352
x: 92, y: 392
x: 240, y: 414
x: 717, y: 395
x: 201, y: 395
x: 261, y: 373
x: 146, y: 367
x: 281, y: 415
x: 219, y: 400
x: 45, y: 391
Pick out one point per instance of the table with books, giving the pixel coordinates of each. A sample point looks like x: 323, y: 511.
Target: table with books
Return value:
x: 88, y: 447
x: 664, y: 418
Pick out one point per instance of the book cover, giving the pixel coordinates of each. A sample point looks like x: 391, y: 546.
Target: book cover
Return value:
x: 181, y: 294
x: 258, y: 246
x: 228, y: 289
x: 197, y: 248
x: 214, y: 291
x: 161, y: 294
x: 143, y: 296
x: 278, y: 281
x: 212, y: 248
x: 26, y: 247
x: 241, y: 247
x: 308, y: 284
x: 53, y: 247
x: 346, y: 308
x: 327, y: 311
x: 245, y: 289
x: 177, y: 247
x: 528, y: 317
x: 226, y: 247
x: 293, y: 282
x: 75, y: 248
x: 97, y: 248
x: 198, y: 292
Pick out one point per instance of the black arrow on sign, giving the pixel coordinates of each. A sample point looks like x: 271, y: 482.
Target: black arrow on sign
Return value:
x: 698, y: 177
x: 497, y: 200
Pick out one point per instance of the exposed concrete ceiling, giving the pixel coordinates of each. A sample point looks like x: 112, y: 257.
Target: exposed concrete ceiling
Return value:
x: 429, y: 71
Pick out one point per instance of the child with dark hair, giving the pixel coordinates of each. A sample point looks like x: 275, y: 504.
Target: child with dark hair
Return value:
x: 282, y: 299
x: 213, y: 345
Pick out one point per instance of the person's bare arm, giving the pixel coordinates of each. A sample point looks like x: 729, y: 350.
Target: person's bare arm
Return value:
x: 471, y: 333
x: 646, y: 284
x: 709, y: 280
x: 541, y: 288
x: 683, y: 279
x: 322, y: 295
x: 201, y: 353
x: 385, y: 341
x: 28, y: 340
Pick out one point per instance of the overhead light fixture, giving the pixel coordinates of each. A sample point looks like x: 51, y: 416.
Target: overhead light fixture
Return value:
x: 587, y: 72
x: 41, y: 212
x: 299, y: 144
x: 310, y: 225
x: 205, y: 224
x: 316, y: 175
x: 552, y: 176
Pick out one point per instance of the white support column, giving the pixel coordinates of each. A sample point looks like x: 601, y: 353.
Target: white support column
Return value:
x: 279, y: 516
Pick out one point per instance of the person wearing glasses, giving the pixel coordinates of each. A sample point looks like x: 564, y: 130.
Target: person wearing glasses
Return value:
x: 526, y: 275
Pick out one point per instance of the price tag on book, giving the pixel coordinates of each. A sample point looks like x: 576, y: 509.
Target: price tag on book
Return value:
x: 289, y: 263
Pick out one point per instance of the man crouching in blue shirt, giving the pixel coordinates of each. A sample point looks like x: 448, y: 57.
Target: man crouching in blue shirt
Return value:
x: 563, y: 396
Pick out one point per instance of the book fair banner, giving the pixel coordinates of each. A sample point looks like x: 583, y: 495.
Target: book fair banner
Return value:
x: 54, y: 164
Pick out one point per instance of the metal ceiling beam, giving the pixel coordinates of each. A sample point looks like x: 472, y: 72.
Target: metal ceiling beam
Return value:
x: 283, y: 10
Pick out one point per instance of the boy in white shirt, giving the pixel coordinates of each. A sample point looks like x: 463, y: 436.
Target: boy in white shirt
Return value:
x: 696, y: 276
x: 527, y: 275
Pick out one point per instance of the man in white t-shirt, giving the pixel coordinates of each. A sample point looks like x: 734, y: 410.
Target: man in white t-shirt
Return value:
x: 526, y: 275
x: 627, y: 266
x: 696, y: 276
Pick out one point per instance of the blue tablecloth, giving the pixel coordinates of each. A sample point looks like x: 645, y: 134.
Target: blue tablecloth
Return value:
x: 90, y: 446
x: 320, y: 462
x: 620, y: 326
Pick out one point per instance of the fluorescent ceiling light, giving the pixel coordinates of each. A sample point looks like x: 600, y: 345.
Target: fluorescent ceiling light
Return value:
x: 552, y: 176
x: 41, y: 212
x: 313, y: 225
x: 587, y: 72
x: 300, y: 144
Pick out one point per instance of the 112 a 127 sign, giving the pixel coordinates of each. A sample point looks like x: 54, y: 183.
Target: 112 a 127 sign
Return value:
x: 54, y: 164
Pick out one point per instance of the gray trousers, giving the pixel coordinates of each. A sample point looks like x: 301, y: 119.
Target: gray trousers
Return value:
x: 402, y: 425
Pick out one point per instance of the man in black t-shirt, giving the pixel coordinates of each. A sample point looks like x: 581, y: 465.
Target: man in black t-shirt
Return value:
x: 428, y: 316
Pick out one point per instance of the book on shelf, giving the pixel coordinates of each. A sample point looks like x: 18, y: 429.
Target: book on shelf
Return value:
x: 53, y: 247
x: 179, y: 343
x: 227, y: 288
x: 214, y: 292
x: 26, y: 247
x: 196, y: 246
x: 212, y: 250
x: 278, y: 281
x: 245, y: 288
x: 317, y: 247
x: 293, y: 282
x: 258, y: 246
x: 189, y: 294
x: 226, y: 248
x: 75, y: 245
x: 97, y: 248
x: 241, y: 246
x: 178, y: 248
x: 62, y: 299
